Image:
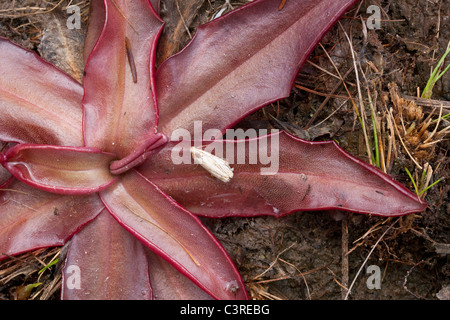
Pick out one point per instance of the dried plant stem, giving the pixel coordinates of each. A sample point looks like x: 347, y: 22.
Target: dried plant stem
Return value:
x: 331, y: 114
x: 344, y: 255
x: 282, y: 3
x: 182, y: 19
x: 403, y: 144
x: 274, y: 261
x: 323, y: 69
x: 367, y: 258
x: 361, y: 104
x: 131, y: 59
x: 392, y: 151
x: 428, y: 103
x: 38, y: 9
x: 405, y: 280
x: 436, y: 127
x: 302, y: 275
x: 379, y: 158
x: 328, y: 95
x: 342, y: 78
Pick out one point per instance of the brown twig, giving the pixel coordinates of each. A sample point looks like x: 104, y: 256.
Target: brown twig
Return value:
x: 322, y: 105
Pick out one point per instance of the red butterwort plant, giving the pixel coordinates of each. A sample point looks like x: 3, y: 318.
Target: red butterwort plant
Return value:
x: 93, y: 163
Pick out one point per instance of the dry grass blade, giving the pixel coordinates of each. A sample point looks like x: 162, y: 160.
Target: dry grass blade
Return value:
x: 322, y: 105
x: 19, y: 272
x: 38, y: 10
x: 308, y: 293
x: 274, y: 261
x: 362, y: 115
x: 403, y: 144
x: 182, y: 19
x: 367, y: 258
x: 344, y: 257
x: 427, y: 140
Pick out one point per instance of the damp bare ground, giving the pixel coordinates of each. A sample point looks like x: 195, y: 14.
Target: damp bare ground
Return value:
x: 360, y: 87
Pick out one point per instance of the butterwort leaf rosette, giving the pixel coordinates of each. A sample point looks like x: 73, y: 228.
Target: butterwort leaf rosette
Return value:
x: 93, y: 163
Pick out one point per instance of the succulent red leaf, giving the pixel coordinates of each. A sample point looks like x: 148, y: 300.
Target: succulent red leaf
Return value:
x: 64, y: 170
x: 38, y: 102
x: 119, y: 114
x: 157, y: 223
x: 169, y: 284
x: 156, y: 5
x: 241, y: 62
x: 105, y: 261
x: 32, y: 219
x: 309, y: 176
x: 112, y: 142
x: 95, y: 26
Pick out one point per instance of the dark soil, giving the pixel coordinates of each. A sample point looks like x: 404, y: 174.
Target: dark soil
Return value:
x: 318, y: 255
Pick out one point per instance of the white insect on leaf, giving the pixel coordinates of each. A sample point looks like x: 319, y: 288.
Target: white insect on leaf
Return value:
x: 218, y: 167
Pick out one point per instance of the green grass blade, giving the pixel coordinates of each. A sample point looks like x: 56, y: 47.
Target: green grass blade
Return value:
x: 428, y: 90
x: 431, y: 185
x: 413, y: 182
x: 48, y: 266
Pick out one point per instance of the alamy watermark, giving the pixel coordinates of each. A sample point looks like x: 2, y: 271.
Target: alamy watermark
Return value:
x: 374, y: 20
x: 374, y: 279
x: 239, y: 147
x: 73, y: 277
x: 74, y: 20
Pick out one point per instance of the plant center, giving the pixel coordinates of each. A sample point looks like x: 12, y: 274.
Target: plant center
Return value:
x: 138, y: 156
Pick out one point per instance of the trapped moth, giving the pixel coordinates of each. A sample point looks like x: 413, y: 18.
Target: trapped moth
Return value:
x: 218, y: 167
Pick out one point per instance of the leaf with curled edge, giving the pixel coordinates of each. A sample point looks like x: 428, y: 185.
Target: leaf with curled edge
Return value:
x: 169, y: 284
x: 240, y: 62
x: 38, y: 103
x: 305, y: 176
x: 32, y: 219
x: 120, y: 113
x: 63, y: 170
x: 110, y: 263
x: 173, y: 233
